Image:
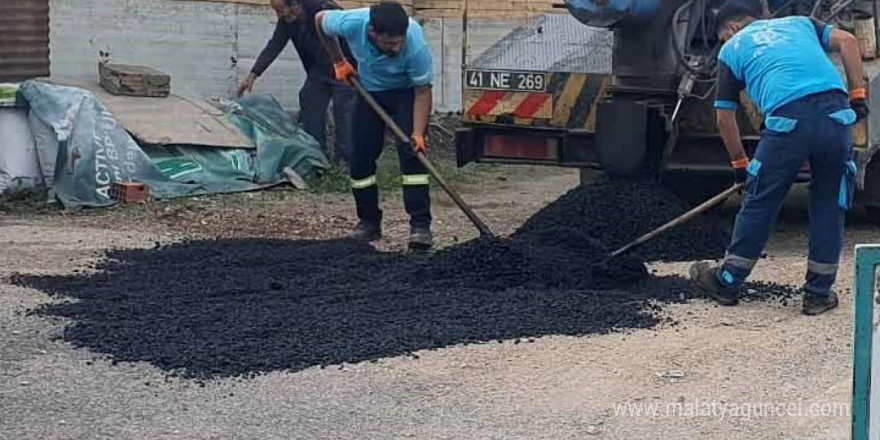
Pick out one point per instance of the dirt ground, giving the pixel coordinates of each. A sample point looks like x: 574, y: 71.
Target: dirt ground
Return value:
x: 555, y: 388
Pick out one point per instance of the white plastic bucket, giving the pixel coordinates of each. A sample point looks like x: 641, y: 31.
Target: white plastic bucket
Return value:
x: 19, y: 167
x: 47, y: 147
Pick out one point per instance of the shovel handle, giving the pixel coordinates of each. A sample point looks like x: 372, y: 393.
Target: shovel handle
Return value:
x: 681, y: 219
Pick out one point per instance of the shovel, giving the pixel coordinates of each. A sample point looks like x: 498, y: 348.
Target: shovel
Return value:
x: 484, y: 230
x: 680, y: 220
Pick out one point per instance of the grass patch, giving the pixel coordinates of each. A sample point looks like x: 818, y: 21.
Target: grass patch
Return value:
x: 388, y: 175
x: 332, y: 180
x: 34, y: 201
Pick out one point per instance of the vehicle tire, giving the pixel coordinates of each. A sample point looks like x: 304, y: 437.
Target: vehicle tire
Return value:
x: 869, y: 197
x: 872, y: 214
x: 589, y: 176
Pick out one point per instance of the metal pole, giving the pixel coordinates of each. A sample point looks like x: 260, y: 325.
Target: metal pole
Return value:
x: 815, y: 12
x: 765, y: 9
x: 874, y: 12
x: 464, y: 42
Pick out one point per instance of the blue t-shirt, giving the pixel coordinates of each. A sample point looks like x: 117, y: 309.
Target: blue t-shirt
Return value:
x: 412, y: 67
x: 778, y: 61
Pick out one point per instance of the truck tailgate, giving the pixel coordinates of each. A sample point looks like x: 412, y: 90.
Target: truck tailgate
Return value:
x: 556, y: 100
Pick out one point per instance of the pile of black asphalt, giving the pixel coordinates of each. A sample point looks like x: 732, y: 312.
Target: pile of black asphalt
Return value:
x: 241, y: 307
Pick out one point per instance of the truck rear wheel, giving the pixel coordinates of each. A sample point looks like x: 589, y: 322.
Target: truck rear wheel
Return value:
x: 872, y: 214
x: 590, y: 175
x: 869, y: 196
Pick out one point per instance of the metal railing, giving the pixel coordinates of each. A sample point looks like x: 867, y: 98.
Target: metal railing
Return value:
x: 866, y: 364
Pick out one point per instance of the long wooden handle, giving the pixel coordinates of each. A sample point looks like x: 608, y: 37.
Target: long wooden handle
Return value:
x: 682, y: 219
x: 484, y: 230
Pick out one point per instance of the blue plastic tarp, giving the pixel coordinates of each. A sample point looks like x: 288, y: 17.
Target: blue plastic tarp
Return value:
x: 94, y: 150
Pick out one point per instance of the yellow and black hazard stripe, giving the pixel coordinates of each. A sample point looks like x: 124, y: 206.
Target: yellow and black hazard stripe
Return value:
x: 516, y: 104
x: 568, y: 102
x: 575, y: 108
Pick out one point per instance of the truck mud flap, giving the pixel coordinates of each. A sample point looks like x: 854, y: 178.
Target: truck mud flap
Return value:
x: 622, y: 135
x: 467, y: 149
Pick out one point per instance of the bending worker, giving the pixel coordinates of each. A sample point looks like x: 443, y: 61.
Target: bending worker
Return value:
x: 396, y: 66
x: 296, y: 23
x: 809, y: 113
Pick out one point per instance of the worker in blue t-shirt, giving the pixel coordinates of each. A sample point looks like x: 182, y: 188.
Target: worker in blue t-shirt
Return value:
x: 784, y: 66
x: 396, y: 66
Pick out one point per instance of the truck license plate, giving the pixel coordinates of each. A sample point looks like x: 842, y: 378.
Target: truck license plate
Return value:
x: 506, y: 80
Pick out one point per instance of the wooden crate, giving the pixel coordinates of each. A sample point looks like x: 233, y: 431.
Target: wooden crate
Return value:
x: 122, y: 79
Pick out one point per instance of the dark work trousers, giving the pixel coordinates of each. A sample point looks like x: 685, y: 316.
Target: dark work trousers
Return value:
x: 815, y: 128
x: 314, y: 98
x: 368, y: 133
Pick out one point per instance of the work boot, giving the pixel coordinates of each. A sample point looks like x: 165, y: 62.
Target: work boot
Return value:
x: 818, y: 304
x: 704, y: 275
x: 365, y: 231
x: 421, y: 239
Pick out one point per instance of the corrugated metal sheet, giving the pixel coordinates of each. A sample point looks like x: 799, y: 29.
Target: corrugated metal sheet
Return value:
x: 24, y: 39
x: 551, y: 43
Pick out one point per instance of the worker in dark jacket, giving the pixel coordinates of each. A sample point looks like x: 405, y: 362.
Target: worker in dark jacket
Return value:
x: 397, y: 68
x: 809, y: 112
x: 296, y: 23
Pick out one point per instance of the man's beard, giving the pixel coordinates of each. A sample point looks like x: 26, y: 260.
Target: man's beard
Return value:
x: 387, y: 53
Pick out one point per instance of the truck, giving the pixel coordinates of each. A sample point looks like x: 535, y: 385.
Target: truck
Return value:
x: 626, y: 87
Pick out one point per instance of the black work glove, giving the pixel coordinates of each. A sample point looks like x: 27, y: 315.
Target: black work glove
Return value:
x: 740, y: 175
x: 739, y: 170
x: 860, y: 106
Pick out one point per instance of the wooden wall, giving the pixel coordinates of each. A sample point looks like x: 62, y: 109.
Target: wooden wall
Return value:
x: 351, y: 4
x: 453, y: 8
x: 484, y: 8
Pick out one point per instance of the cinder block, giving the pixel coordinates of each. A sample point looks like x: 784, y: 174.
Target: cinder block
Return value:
x: 121, y: 79
x: 130, y: 192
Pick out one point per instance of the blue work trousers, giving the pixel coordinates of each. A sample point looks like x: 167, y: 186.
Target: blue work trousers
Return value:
x: 816, y: 128
x: 368, y: 134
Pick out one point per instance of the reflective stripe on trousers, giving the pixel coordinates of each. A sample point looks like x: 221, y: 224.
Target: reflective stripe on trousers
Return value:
x: 821, y: 268
x: 739, y: 262
x: 363, y: 183
x: 415, y: 179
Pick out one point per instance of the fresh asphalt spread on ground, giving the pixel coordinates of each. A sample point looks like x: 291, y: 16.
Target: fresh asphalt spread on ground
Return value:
x: 220, y: 308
